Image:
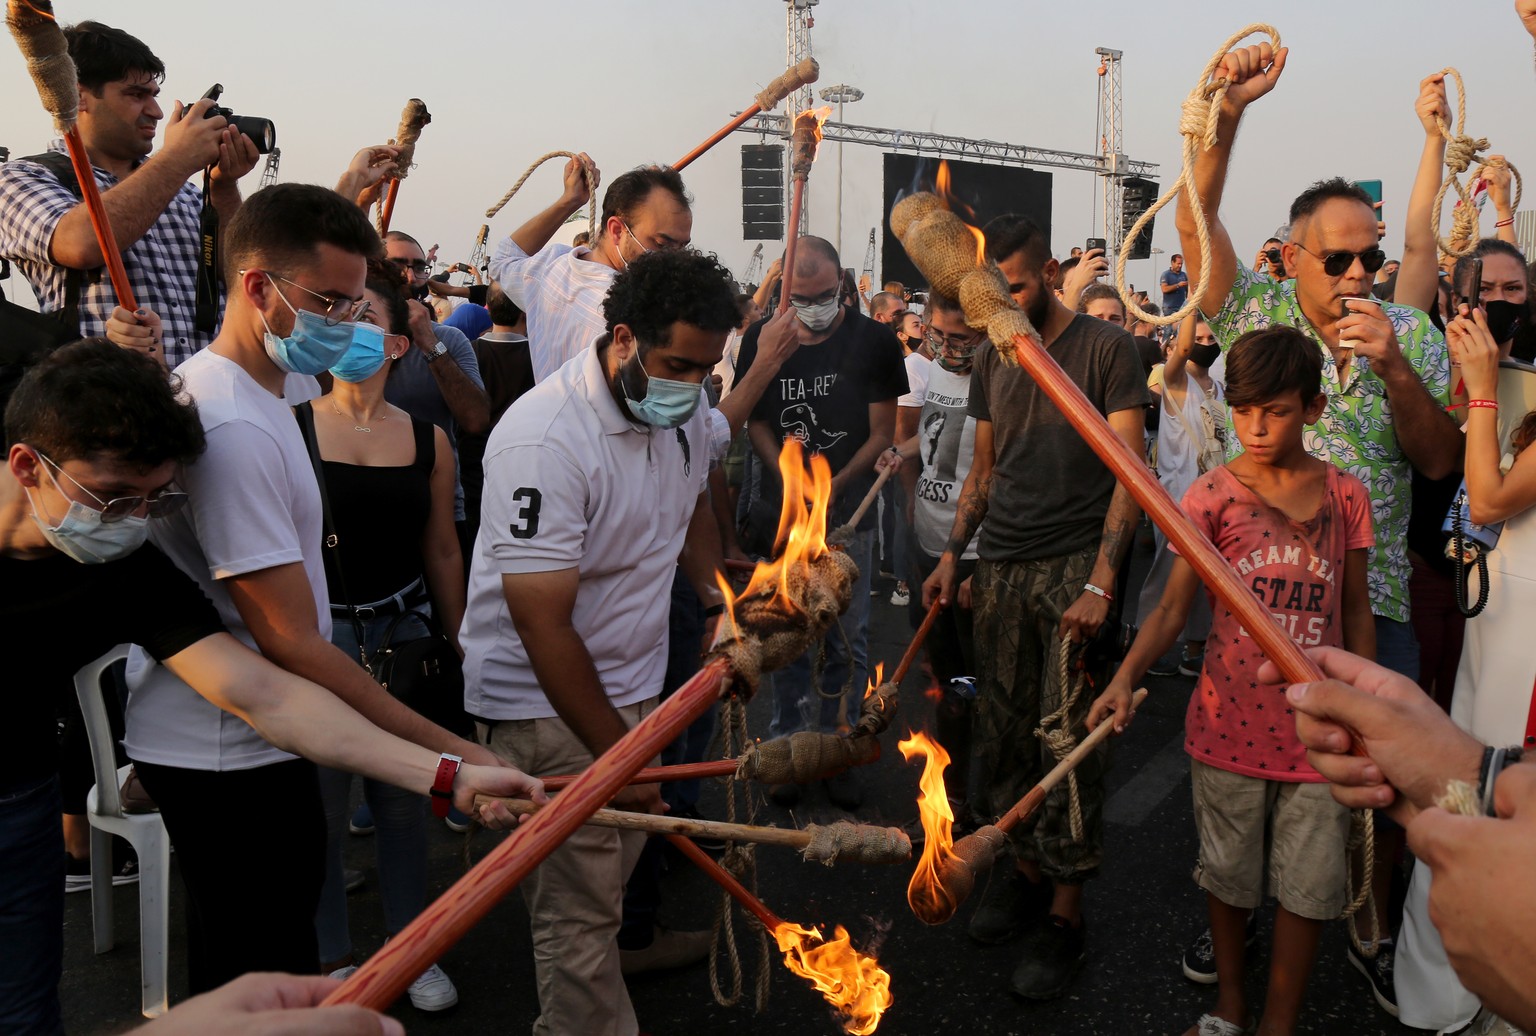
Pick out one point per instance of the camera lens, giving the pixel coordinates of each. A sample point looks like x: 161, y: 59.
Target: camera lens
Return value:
x: 261, y: 131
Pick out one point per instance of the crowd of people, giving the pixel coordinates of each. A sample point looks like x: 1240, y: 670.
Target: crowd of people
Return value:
x: 345, y: 458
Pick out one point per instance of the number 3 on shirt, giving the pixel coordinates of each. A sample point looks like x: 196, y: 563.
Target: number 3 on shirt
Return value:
x: 525, y: 520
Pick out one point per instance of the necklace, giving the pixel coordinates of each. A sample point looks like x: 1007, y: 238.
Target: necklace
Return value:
x: 381, y: 416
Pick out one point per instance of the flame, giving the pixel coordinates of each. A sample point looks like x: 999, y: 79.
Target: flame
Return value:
x: 821, y: 115
x: 853, y: 983
x: 877, y: 681
x: 926, y: 894
x: 802, y: 535
x: 941, y: 187
x: 934, y: 692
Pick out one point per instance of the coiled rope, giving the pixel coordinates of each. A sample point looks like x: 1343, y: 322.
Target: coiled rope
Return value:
x: 741, y: 862
x: 1055, y: 731
x: 1460, y: 152
x: 591, y: 189
x: 1197, y: 123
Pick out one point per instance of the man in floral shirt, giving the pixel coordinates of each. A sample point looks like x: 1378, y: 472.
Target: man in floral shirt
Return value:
x: 1385, y: 368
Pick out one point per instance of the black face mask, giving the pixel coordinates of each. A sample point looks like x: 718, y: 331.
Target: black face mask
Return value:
x: 1204, y: 355
x: 1505, y: 318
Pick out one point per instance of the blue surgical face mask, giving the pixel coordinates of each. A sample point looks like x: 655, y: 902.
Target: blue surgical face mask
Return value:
x: 667, y: 404
x: 83, y: 536
x: 365, y: 356
x: 313, y: 346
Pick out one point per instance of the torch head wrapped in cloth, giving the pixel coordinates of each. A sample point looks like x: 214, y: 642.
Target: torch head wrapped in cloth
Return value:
x: 952, y: 257
x: 804, y: 139
x: 412, y: 119
x: 42, y: 43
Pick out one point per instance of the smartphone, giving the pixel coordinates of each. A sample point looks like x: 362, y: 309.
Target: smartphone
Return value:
x: 1373, y: 188
x: 1096, y: 242
x: 1468, y: 285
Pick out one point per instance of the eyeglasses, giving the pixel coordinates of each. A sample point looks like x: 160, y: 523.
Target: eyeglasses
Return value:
x: 336, y: 308
x: 953, y: 342
x: 819, y: 300
x: 166, y: 502
x: 413, y: 265
x: 1336, y: 264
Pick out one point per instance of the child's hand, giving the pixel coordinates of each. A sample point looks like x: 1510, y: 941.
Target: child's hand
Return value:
x: 1116, y: 702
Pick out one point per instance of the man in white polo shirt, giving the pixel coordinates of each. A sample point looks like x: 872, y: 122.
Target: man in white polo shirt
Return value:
x: 594, y: 494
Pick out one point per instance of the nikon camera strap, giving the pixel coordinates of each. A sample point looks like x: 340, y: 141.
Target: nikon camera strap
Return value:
x: 208, y: 260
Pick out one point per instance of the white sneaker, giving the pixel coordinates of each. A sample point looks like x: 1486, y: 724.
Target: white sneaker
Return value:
x: 346, y: 972
x: 901, y: 596
x: 433, y: 991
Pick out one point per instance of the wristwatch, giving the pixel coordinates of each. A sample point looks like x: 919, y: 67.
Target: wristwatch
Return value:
x: 437, y: 352
x: 442, y: 784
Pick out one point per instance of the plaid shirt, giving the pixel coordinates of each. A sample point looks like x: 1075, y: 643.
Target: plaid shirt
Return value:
x: 1356, y: 430
x: 162, y: 265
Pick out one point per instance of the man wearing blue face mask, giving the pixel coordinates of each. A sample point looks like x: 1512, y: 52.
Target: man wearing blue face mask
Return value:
x: 837, y: 395
x: 251, y: 537
x: 594, y: 495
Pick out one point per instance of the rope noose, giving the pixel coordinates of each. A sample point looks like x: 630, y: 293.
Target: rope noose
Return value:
x: 490, y: 213
x: 1055, y: 731
x: 1197, y: 124
x: 1460, y: 152
x: 741, y: 862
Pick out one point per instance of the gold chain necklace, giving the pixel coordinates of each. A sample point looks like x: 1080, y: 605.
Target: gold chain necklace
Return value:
x: 381, y: 416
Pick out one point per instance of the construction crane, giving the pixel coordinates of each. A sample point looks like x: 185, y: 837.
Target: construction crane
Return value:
x: 269, y: 174
x: 754, y: 270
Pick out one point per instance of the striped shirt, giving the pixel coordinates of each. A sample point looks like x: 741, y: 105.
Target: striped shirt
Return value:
x: 161, y: 265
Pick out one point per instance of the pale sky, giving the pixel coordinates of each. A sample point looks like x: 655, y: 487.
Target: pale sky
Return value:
x: 633, y: 81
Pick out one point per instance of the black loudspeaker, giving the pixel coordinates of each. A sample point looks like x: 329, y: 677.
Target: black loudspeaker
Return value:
x: 762, y: 192
x: 1136, y: 197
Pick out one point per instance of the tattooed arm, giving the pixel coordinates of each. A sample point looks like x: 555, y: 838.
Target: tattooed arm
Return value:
x: 968, y: 517
x: 1089, y: 611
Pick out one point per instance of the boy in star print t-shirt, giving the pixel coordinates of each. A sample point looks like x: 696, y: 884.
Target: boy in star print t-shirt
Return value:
x: 1296, y: 530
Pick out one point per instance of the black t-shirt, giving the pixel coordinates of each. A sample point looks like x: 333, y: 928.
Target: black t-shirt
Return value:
x: 57, y: 615
x: 822, y: 396
x: 507, y: 370
x: 1050, y: 491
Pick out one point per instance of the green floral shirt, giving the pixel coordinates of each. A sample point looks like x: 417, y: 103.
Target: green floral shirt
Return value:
x: 1355, y: 431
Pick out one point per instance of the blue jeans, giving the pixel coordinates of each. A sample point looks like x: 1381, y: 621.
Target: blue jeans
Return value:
x: 31, y: 909
x: 399, y: 817
x: 796, y: 705
x: 1397, y: 648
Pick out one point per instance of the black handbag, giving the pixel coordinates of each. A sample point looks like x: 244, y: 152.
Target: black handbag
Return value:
x: 424, y: 673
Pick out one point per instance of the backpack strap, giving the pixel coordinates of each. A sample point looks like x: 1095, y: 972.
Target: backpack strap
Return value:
x: 63, y: 170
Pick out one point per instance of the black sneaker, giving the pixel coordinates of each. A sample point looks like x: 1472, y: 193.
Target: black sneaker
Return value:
x: 1200, y: 959
x: 1163, y: 667
x: 1053, y: 952
x: 1011, y: 903
x: 1378, y: 972
x: 1191, y: 665
x: 845, y: 790
x: 77, y: 873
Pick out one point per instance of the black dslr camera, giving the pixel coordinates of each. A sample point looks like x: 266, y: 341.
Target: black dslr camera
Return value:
x: 261, y: 131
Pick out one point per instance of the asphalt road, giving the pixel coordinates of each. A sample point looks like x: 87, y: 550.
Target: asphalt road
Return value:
x: 1140, y: 913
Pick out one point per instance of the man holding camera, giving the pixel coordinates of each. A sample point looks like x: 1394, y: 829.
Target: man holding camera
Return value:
x: 154, y: 212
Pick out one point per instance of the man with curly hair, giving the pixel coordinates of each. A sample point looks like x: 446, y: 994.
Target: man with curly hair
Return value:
x: 594, y: 494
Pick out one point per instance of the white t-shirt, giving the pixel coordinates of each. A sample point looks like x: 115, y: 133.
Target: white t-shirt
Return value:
x: 1178, y: 455
x: 946, y: 445
x: 918, y: 366
x: 571, y: 482
x: 562, y: 293
x: 253, y: 504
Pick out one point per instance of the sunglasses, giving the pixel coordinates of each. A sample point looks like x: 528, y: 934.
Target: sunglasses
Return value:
x: 1336, y: 264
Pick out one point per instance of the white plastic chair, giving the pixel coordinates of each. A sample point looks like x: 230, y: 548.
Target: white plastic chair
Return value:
x: 145, y: 832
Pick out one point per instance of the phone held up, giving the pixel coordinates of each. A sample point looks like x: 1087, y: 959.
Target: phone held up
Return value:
x: 1468, y: 283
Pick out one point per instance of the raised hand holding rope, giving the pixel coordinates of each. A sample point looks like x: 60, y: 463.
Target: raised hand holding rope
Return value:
x: 1460, y: 150
x: 1197, y: 124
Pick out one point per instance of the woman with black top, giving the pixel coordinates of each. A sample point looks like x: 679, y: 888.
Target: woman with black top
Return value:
x: 390, y: 482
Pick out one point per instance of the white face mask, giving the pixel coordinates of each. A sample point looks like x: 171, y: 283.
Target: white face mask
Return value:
x: 82, y: 535
x: 817, y: 316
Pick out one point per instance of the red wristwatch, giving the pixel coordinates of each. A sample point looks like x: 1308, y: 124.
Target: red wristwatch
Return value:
x: 442, y: 784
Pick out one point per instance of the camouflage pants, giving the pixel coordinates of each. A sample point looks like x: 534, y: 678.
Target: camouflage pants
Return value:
x: 1019, y: 605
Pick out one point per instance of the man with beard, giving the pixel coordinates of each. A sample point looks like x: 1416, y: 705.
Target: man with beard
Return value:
x: 594, y: 495
x: 1385, y: 369
x: 1057, y: 529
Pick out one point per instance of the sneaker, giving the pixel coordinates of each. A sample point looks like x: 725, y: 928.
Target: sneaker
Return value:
x: 1200, y: 958
x: 901, y: 596
x: 1485, y: 1023
x: 344, y: 973
x: 77, y: 873
x: 1053, y: 952
x: 1378, y: 972
x: 845, y: 790
x: 786, y: 795
x: 1190, y: 665
x: 1163, y: 668
x: 457, y: 822
x: 1210, y: 1025
x: 1011, y: 903
x: 353, y: 879
x: 362, y: 821
x: 668, y: 949
x: 432, y: 991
